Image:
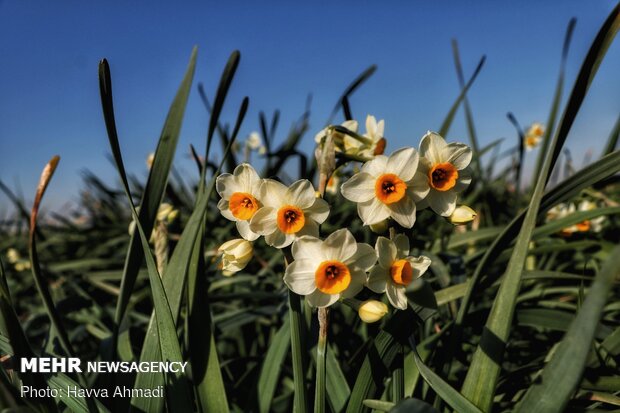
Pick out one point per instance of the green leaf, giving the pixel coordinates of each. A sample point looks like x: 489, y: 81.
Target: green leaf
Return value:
x: 484, y: 370
x: 562, y: 374
x: 445, y: 126
x: 410, y: 405
x: 272, y: 365
x: 612, y: 142
x: 298, y: 351
x: 158, y: 175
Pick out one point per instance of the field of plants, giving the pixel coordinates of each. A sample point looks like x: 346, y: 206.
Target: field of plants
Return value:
x: 360, y: 277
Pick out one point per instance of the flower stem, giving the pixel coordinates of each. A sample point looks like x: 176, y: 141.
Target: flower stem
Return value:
x: 319, y: 391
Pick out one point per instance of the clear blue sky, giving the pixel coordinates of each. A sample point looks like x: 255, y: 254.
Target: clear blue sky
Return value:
x: 49, y: 102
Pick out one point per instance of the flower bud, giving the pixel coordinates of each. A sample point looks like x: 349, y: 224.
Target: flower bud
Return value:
x: 371, y: 311
x: 462, y: 215
x: 236, y: 254
x: 379, y: 227
x: 254, y: 141
x: 12, y: 255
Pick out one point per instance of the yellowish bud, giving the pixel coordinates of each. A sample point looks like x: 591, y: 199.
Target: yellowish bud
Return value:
x: 462, y: 215
x: 379, y: 227
x: 371, y: 311
x: 12, y: 255
x: 236, y: 254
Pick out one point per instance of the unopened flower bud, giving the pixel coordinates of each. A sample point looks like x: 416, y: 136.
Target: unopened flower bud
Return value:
x: 371, y: 311
x: 236, y: 254
x: 462, y: 215
x: 379, y: 227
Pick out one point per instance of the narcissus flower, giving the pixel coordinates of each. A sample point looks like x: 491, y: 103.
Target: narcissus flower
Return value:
x: 240, y: 198
x: 236, y: 254
x: 388, y: 187
x: 338, y: 137
x: 395, y: 269
x: 462, y: 215
x: 371, y: 311
x: 254, y: 141
x: 564, y: 210
x: 446, y: 169
x: 533, y: 135
x: 288, y: 213
x: 325, y: 271
x: 375, y: 144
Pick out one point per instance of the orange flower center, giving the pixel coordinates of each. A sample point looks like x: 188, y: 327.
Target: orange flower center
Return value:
x: 583, y: 226
x: 401, y: 272
x: 531, y: 141
x: 242, y: 205
x: 389, y: 188
x: 443, y: 176
x: 332, y: 277
x: 380, y: 147
x: 538, y: 131
x: 290, y: 219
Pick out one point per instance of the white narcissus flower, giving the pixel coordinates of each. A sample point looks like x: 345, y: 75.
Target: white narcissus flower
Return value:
x: 376, y: 142
x: 240, y: 198
x: 325, y: 271
x: 533, y: 135
x: 254, y: 141
x: 446, y: 167
x: 395, y: 269
x: 388, y: 187
x: 288, y: 213
x: 338, y: 137
x: 236, y: 254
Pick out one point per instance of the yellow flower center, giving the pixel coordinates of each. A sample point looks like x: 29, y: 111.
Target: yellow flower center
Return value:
x: 380, y: 147
x: 443, y: 176
x: 538, y: 130
x: 291, y: 219
x: 401, y: 272
x: 389, y: 188
x: 531, y: 141
x: 332, y: 277
x: 242, y: 205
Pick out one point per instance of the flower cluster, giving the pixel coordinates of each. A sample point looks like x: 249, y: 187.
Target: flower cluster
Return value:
x: 564, y: 210
x: 385, y: 188
x: 533, y: 135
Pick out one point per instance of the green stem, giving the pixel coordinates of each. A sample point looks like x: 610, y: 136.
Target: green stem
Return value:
x: 319, y: 391
x: 297, y: 348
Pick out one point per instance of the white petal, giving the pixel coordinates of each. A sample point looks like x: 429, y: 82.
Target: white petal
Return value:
x: 272, y: 193
x: 319, y: 211
x: 371, y: 125
x: 224, y: 208
x: 443, y: 203
x: 311, y: 228
x: 463, y: 181
x: 225, y: 185
x: 247, y: 178
x: 431, y: 146
x: 359, y: 188
x: 364, y: 258
x: 458, y: 154
x: 310, y: 248
x: 404, y: 163
x: 396, y: 296
x: 264, y: 221
x: 278, y: 239
x: 419, y: 265
x: 418, y: 188
x: 401, y: 241
x: 351, y: 125
x: 376, y: 166
x: 358, y: 279
x: 373, y: 211
x: 320, y: 299
x: 403, y: 212
x: 377, y: 278
x: 244, y: 230
x: 301, y: 194
x: 386, y: 251
x: 423, y: 204
x: 300, y: 276
x: 340, y: 245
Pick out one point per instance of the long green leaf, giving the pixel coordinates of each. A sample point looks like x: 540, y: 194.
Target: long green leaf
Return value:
x: 484, y: 370
x: 272, y: 365
x: 612, y: 141
x: 563, y: 372
x: 158, y: 176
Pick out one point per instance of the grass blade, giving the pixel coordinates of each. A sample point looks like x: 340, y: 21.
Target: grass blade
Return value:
x: 270, y: 372
x: 563, y: 372
x: 484, y: 370
x: 612, y: 142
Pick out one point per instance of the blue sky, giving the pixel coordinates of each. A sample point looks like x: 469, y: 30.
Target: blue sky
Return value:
x: 49, y: 102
